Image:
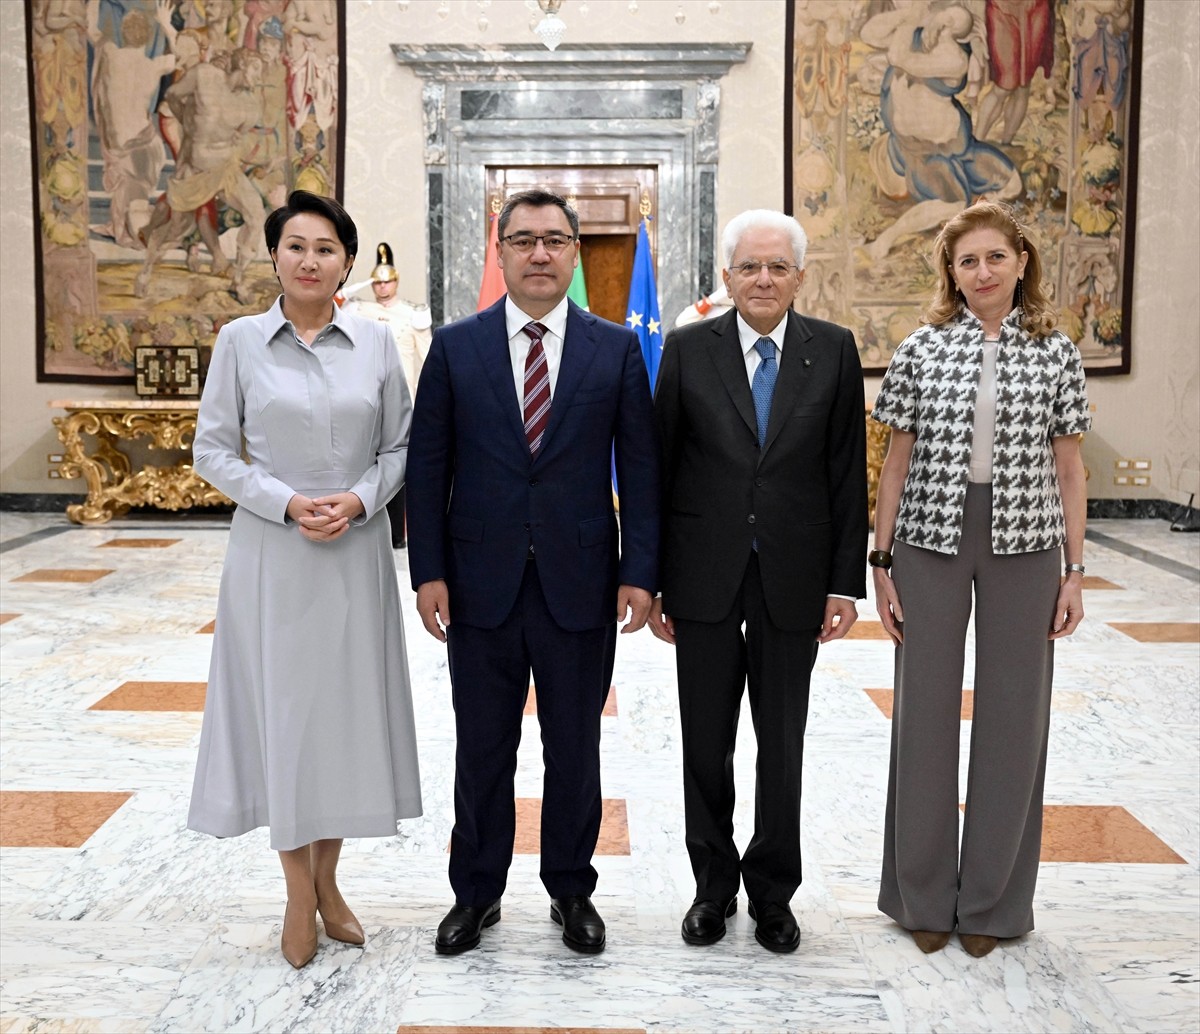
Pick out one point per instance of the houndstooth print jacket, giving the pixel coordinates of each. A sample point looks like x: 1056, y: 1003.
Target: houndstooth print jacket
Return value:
x: 930, y: 389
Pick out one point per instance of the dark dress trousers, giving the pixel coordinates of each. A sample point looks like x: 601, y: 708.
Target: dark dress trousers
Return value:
x: 753, y: 542
x: 532, y: 556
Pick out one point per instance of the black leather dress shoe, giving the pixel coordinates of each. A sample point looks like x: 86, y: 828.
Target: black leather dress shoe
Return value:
x: 705, y: 921
x: 777, y: 929
x: 461, y: 928
x: 583, y: 929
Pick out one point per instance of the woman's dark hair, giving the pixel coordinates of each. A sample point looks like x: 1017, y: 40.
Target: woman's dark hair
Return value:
x: 305, y: 201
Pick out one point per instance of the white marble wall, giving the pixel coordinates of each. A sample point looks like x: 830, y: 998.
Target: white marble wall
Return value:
x: 1150, y: 414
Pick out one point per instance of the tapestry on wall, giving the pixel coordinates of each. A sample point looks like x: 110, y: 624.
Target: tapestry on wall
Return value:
x: 903, y: 114
x: 164, y: 132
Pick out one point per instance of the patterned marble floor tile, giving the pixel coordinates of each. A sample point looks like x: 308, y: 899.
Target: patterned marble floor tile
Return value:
x: 6, y: 618
x: 154, y: 696
x: 518, y: 977
x: 129, y: 543
x: 1028, y: 984
x: 406, y: 1028
x: 101, y: 971
x: 10, y: 1024
x: 1115, y: 948
x: 1093, y: 833
x: 610, y: 702
x: 1094, y: 582
x: 1159, y: 631
x: 884, y: 700
x: 63, y: 574
x: 868, y: 629
x: 614, y: 827
x: 54, y: 818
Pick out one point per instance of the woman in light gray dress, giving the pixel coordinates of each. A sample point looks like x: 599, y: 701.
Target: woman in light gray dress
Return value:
x: 308, y: 724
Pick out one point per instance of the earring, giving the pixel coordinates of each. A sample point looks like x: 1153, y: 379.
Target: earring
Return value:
x: 1020, y: 293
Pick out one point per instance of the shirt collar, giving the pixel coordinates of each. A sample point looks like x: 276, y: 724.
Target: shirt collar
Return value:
x: 554, y: 321
x: 1011, y: 322
x: 748, y: 336
x: 274, y: 321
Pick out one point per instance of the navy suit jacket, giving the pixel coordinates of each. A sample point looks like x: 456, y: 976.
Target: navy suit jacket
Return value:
x: 802, y: 497
x: 477, y: 501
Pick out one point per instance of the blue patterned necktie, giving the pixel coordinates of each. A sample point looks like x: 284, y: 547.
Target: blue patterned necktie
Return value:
x: 763, y: 386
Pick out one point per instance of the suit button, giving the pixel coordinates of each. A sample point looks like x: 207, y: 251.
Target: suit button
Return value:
x: 750, y: 519
x: 759, y: 482
x: 526, y: 525
x: 533, y: 482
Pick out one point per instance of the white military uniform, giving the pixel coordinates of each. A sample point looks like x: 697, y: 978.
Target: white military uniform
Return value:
x: 412, y: 327
x: 709, y: 307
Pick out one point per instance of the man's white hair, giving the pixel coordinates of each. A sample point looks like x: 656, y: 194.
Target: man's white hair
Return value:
x: 763, y: 219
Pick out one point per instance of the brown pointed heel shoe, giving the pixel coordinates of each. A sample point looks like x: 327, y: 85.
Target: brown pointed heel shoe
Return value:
x: 299, y: 940
x: 347, y: 933
x: 930, y: 941
x: 977, y: 944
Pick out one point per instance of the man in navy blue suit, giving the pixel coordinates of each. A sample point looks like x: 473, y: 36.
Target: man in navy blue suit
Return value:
x: 520, y: 410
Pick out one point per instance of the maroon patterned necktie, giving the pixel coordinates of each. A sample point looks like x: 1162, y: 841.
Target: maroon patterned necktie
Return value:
x: 537, y: 388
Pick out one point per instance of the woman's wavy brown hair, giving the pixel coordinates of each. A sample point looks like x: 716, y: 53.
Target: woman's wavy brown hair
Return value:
x: 1038, y: 314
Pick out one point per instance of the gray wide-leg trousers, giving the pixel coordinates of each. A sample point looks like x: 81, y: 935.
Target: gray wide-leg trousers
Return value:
x: 928, y: 882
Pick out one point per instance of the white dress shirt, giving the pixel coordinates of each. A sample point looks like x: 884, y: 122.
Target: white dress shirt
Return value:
x: 748, y: 337
x: 555, y: 322
x: 984, y: 434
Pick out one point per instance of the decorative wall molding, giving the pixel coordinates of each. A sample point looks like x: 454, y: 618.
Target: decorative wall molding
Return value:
x: 599, y: 104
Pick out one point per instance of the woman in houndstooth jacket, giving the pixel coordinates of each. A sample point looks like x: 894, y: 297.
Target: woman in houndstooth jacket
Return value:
x: 982, y: 491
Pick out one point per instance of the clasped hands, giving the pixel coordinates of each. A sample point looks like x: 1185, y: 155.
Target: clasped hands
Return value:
x: 326, y: 518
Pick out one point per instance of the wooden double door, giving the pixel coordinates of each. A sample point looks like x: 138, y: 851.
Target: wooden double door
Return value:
x: 608, y: 199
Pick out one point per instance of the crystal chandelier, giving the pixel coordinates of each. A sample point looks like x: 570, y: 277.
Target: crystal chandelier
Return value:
x: 551, y: 28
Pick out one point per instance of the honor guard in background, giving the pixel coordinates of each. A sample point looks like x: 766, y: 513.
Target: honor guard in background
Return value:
x: 411, y: 326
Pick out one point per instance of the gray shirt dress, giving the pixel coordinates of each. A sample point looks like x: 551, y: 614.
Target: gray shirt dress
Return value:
x: 308, y: 722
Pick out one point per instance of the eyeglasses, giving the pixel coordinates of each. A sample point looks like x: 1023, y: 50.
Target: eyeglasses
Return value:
x: 751, y: 270
x: 524, y: 243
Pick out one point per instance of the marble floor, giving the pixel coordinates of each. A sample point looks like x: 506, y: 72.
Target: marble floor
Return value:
x: 113, y: 917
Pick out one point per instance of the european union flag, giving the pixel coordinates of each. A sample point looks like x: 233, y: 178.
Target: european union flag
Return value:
x: 642, y: 314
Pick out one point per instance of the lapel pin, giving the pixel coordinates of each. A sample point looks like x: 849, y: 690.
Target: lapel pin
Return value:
x: 807, y: 361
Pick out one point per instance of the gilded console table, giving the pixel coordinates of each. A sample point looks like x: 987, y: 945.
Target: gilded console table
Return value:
x: 113, y: 485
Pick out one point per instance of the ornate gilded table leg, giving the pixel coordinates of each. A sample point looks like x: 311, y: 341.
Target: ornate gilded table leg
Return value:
x: 877, y: 443
x: 101, y: 470
x: 113, y: 486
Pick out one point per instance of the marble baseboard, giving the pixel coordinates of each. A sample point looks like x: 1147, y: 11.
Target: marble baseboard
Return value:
x: 1143, y: 509
x: 39, y: 502
x: 55, y: 502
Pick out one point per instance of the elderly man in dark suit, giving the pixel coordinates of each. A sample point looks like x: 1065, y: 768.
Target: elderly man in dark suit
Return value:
x: 520, y: 410
x: 760, y: 419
